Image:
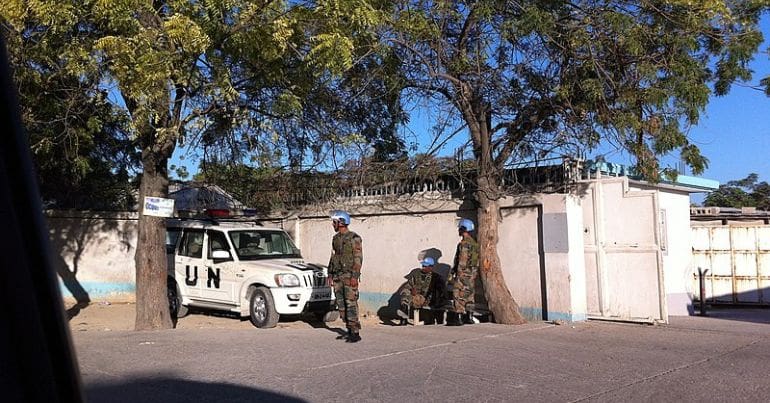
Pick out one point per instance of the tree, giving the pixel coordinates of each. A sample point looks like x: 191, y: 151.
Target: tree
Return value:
x: 747, y: 192
x: 321, y: 110
x: 83, y: 155
x: 530, y: 79
x: 177, y: 69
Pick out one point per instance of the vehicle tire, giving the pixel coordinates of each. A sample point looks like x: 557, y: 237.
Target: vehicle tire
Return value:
x: 262, y: 308
x: 329, y: 316
x: 175, y: 306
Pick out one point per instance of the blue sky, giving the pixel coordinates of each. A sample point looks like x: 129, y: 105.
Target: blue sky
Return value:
x: 733, y: 133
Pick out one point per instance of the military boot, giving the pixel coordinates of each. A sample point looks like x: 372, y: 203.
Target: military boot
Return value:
x: 354, y: 337
x: 345, y: 336
x: 467, y: 318
x: 403, y: 314
x: 439, y: 317
x: 453, y: 319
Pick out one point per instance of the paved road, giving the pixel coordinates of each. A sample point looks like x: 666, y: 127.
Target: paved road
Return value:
x: 692, y: 359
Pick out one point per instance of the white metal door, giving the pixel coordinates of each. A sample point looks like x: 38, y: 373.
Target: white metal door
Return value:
x: 624, y: 273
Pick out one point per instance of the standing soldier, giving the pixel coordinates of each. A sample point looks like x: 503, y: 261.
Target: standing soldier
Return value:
x: 464, y: 272
x: 345, y: 271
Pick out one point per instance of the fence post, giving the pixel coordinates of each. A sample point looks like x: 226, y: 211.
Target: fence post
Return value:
x: 702, y: 283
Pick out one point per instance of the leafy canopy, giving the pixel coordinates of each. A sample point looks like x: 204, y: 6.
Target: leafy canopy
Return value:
x: 259, y: 81
x: 534, y: 78
x: 746, y: 192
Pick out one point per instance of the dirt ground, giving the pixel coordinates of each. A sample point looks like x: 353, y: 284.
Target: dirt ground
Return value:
x: 106, y: 317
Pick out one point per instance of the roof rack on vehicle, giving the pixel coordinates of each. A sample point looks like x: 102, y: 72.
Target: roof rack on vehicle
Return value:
x: 215, y: 216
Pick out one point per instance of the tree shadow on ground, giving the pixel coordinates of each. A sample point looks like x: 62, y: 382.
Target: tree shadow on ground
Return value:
x: 170, y: 390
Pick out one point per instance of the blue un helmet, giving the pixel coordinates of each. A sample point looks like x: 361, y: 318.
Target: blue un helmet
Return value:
x: 342, y: 216
x: 467, y: 224
x: 428, y: 261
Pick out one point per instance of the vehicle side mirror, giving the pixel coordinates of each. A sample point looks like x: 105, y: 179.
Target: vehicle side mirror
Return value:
x: 220, y: 255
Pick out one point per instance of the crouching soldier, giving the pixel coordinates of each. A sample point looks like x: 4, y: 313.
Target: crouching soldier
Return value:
x: 423, y: 288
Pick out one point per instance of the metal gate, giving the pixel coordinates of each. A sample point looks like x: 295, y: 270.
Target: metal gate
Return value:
x: 624, y: 275
x: 737, y: 257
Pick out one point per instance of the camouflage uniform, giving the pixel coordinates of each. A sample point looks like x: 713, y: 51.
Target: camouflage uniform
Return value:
x: 465, y: 270
x: 420, y: 289
x: 344, y: 265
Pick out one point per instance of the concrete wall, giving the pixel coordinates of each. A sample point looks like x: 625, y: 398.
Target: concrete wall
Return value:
x: 94, y: 254
x: 392, y: 245
x: 549, y: 286
x: 677, y: 252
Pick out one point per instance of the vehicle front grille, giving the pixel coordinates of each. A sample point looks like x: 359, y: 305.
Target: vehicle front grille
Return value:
x: 314, y: 279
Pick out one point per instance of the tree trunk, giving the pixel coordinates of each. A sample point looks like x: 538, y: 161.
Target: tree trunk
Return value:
x: 501, y: 302
x: 152, y: 310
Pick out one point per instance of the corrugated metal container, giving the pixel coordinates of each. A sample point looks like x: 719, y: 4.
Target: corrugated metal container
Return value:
x: 738, y: 259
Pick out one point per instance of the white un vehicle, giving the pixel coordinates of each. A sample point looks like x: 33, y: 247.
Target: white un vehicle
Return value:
x: 245, y: 268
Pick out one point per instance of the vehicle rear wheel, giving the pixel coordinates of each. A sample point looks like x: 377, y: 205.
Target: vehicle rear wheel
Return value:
x: 175, y: 306
x: 262, y: 308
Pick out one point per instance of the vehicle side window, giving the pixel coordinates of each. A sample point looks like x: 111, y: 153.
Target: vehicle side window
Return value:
x: 172, y: 235
x: 217, y: 241
x: 192, y: 244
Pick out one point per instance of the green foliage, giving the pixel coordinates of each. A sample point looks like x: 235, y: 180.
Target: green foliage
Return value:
x: 747, y: 192
x: 83, y: 155
x: 534, y: 78
x: 272, y: 82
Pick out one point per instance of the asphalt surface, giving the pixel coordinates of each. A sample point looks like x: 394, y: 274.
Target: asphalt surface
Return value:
x: 725, y: 357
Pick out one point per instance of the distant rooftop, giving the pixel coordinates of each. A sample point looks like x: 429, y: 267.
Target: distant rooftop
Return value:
x: 726, y: 214
x: 691, y: 184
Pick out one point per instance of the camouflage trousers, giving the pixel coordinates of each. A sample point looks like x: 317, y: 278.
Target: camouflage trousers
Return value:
x: 463, y: 292
x: 347, y: 301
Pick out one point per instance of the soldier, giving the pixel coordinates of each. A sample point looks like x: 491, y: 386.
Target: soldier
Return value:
x: 423, y: 288
x: 464, y: 272
x: 344, y: 273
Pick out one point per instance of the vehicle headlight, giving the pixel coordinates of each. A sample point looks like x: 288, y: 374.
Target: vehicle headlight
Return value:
x: 287, y: 280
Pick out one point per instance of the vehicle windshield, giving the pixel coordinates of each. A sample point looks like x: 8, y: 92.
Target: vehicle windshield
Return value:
x: 263, y: 244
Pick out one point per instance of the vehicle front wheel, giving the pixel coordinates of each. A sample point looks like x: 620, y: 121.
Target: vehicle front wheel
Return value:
x: 175, y: 306
x: 262, y: 309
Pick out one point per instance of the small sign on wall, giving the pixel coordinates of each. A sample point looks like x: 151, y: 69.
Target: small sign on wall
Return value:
x: 158, y: 207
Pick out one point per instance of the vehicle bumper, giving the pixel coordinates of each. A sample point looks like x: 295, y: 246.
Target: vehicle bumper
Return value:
x: 296, y: 300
